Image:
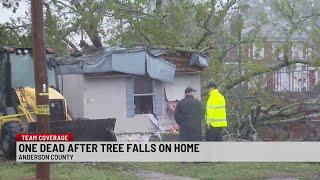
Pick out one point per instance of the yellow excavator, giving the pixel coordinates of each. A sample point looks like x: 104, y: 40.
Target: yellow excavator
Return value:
x: 18, y: 103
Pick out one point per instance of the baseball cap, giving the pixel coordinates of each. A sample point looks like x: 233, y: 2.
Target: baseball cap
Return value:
x: 189, y: 90
x: 212, y: 85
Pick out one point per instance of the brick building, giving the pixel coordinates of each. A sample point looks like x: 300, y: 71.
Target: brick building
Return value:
x: 294, y: 78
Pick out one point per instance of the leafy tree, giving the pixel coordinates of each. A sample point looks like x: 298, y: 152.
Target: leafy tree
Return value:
x: 223, y: 30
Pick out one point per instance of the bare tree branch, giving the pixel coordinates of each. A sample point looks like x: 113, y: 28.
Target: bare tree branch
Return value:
x: 300, y: 118
x: 71, y: 44
x: 14, y: 27
x: 217, y: 20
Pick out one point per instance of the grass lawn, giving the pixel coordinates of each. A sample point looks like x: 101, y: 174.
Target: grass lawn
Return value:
x: 61, y: 171
x: 237, y: 170
x: 79, y: 171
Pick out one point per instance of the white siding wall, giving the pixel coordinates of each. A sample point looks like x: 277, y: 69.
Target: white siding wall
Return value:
x: 106, y: 98
x: 98, y: 98
x: 181, y: 81
x: 72, y: 90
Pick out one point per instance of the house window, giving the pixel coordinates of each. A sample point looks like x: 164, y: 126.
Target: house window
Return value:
x: 277, y: 51
x: 143, y: 95
x: 257, y: 52
x: 297, y: 51
x: 309, y: 53
x: 280, y: 56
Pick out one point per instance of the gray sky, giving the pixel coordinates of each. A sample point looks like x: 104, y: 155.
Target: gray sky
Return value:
x: 6, y: 14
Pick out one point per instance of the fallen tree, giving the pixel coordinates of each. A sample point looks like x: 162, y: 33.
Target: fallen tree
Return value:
x: 304, y: 115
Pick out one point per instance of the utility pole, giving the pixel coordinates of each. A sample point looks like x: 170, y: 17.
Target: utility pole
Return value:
x: 41, y: 79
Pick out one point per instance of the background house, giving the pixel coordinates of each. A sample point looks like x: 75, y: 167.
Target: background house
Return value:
x: 137, y: 87
x: 272, y: 48
x: 273, y: 41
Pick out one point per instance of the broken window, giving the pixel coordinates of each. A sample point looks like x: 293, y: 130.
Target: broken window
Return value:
x: 143, y: 95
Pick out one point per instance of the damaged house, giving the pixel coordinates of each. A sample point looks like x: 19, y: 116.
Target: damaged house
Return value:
x: 137, y: 87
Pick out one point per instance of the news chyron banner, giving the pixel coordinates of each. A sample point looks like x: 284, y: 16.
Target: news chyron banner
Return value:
x: 62, y: 148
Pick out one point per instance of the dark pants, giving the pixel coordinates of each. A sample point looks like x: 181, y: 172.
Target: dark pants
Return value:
x: 188, y: 134
x: 214, y: 134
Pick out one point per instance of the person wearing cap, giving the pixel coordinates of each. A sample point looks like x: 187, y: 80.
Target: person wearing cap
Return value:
x: 189, y: 115
x: 216, y: 115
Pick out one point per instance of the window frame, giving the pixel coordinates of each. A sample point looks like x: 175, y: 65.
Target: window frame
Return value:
x: 297, y: 51
x: 256, y: 51
x: 144, y: 94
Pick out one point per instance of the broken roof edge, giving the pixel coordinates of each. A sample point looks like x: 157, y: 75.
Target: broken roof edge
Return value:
x: 158, y: 68
x: 188, y: 72
x: 99, y: 53
x: 153, y: 50
x: 103, y: 60
x: 112, y: 74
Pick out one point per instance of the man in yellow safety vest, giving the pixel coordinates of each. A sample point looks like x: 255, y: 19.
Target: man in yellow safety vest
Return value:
x: 216, y: 117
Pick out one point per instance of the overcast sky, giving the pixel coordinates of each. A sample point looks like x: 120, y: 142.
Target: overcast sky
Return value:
x: 6, y: 14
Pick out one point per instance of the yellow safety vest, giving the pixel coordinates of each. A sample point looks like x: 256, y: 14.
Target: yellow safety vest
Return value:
x: 216, y: 114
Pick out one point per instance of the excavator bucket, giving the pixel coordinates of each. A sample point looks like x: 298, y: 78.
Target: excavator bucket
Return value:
x: 83, y: 129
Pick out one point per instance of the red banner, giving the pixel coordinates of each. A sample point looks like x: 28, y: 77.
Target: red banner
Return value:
x: 45, y: 137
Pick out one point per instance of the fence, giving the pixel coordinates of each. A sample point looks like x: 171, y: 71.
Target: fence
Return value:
x: 298, y: 79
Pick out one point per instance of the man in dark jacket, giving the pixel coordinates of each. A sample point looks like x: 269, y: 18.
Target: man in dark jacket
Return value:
x: 189, y: 115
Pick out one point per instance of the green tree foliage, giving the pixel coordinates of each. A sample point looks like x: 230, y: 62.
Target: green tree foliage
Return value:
x: 10, y: 37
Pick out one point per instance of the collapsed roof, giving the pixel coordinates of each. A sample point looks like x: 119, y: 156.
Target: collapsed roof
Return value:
x: 159, y: 64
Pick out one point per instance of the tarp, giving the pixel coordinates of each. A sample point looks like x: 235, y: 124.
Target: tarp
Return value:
x: 136, y: 62
x: 131, y: 63
x: 103, y: 65
x: 70, y: 69
x: 160, y: 69
x: 198, y: 61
